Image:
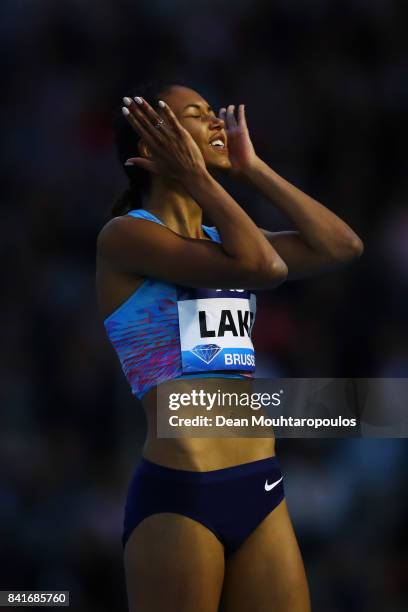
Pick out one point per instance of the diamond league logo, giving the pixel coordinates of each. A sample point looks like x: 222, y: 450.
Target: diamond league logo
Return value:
x: 206, y: 352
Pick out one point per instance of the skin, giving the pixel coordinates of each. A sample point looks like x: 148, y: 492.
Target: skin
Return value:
x: 267, y: 572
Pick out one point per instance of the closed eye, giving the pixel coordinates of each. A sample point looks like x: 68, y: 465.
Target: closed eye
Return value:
x: 200, y: 108
x: 198, y: 116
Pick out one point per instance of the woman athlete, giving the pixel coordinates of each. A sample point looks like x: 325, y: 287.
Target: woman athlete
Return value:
x: 206, y: 524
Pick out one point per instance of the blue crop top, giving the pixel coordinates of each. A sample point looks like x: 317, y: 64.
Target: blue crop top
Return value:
x: 163, y: 331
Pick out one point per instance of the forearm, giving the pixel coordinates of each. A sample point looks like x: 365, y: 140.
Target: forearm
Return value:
x: 232, y: 222
x: 321, y: 229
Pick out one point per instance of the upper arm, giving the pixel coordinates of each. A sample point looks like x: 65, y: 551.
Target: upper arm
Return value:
x: 301, y: 260
x: 139, y: 247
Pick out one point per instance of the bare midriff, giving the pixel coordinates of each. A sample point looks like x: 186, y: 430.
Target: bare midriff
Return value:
x: 201, y: 453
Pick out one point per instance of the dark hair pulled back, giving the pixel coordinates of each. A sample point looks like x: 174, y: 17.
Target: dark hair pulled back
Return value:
x: 126, y: 141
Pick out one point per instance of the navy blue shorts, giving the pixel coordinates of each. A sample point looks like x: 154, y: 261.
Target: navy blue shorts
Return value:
x: 230, y: 502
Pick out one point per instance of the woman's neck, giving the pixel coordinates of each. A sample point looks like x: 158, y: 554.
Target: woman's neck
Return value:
x: 173, y: 205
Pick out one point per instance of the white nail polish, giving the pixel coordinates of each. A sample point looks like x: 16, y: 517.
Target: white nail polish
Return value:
x: 127, y: 101
x: 138, y: 100
x: 125, y: 111
x: 128, y: 163
x: 161, y: 104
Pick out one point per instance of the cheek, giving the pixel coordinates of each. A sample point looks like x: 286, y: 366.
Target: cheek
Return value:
x: 195, y: 128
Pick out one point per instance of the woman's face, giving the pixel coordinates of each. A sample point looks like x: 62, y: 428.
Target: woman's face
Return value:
x: 196, y: 116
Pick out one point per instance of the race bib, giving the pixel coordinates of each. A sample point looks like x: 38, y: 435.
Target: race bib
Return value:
x: 215, y: 329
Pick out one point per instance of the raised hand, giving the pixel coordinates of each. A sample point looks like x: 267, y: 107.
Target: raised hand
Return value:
x: 174, y: 153
x: 240, y: 148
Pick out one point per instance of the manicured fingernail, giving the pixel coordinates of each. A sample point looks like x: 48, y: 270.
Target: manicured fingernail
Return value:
x: 161, y: 104
x: 138, y: 100
x: 128, y: 163
x: 127, y: 101
x: 125, y: 111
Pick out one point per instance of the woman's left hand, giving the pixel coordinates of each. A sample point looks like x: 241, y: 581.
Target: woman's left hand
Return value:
x: 240, y: 148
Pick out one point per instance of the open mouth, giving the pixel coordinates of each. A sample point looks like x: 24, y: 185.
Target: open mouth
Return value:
x: 218, y: 144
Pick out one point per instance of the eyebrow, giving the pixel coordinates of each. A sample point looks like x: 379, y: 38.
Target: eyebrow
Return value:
x: 197, y: 106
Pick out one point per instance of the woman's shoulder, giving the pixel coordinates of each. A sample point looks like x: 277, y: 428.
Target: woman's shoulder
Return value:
x: 133, y: 245
x: 118, y: 230
x: 111, y: 231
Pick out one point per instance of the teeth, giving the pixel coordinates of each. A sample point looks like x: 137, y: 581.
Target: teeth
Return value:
x: 217, y: 143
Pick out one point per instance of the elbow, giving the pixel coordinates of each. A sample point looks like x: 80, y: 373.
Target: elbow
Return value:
x: 264, y: 273
x: 350, y: 250
x: 354, y: 249
x: 279, y: 272
x: 357, y: 247
x: 273, y: 273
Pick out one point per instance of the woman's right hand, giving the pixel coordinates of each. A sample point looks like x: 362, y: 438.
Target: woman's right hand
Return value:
x: 174, y: 152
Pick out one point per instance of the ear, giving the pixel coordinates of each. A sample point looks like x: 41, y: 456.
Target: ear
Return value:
x: 143, y: 149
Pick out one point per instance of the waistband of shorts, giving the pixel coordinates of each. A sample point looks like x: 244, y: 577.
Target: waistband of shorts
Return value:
x: 148, y: 468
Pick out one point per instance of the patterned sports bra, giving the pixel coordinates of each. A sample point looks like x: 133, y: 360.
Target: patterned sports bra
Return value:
x: 164, y: 331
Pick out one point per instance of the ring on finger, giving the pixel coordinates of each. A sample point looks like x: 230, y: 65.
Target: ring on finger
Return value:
x: 159, y: 124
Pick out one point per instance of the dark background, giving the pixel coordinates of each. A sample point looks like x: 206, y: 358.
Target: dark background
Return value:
x: 326, y: 89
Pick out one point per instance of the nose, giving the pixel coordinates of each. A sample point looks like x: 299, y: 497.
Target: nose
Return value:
x: 216, y: 122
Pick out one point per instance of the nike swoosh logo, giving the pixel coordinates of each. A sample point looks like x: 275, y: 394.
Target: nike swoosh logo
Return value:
x: 269, y: 487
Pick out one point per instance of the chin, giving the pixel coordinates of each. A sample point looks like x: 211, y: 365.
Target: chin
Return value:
x: 224, y: 165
